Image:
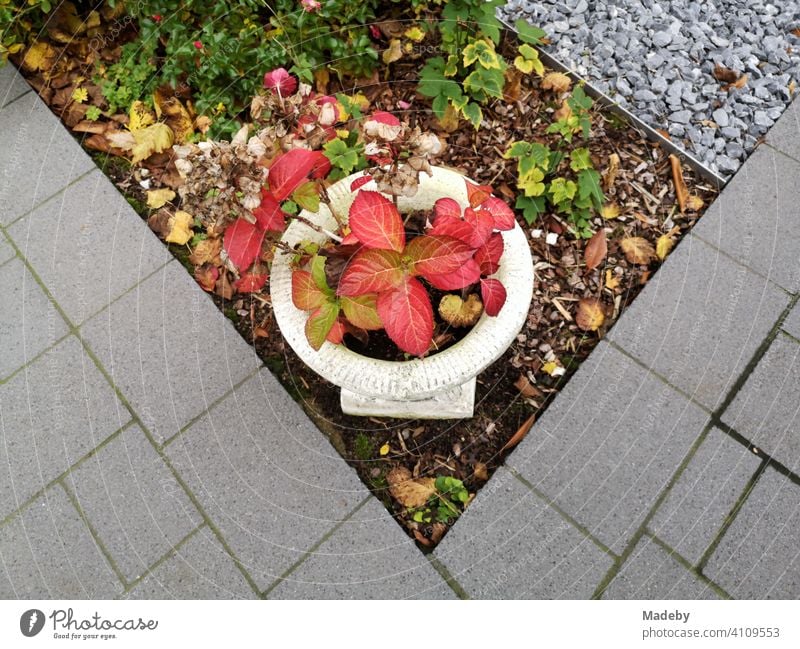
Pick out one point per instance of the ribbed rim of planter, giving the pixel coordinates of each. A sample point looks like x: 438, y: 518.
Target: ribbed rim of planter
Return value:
x: 418, y: 378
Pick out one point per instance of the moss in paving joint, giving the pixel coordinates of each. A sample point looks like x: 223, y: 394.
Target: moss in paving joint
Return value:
x: 569, y: 519
x: 308, y: 553
x: 36, y: 358
x: 168, y: 555
x: 57, y: 480
x: 685, y: 563
x: 731, y: 516
x: 451, y: 581
x: 94, y: 534
x: 637, y: 536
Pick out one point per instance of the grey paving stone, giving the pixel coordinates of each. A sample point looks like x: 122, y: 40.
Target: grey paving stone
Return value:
x: 265, y: 476
x: 759, y: 556
x: 88, y: 246
x: 38, y: 157
x: 47, y: 552
x: 29, y: 323
x: 699, y: 320
x: 785, y: 134
x: 6, y: 251
x: 510, y: 545
x: 609, y: 444
x: 767, y: 409
x: 51, y: 414
x: 169, y: 350
x: 792, y: 323
x: 199, y: 569
x: 697, y: 505
x: 653, y: 573
x: 133, y: 502
x: 755, y: 217
x: 368, y: 557
x: 12, y: 85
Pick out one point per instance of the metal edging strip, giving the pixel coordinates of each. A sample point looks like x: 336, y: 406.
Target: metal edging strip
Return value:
x: 607, y: 102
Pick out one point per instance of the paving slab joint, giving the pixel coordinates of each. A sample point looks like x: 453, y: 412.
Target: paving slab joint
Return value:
x: 685, y: 563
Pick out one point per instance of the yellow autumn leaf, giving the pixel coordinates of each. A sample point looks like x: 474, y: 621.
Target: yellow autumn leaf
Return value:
x: 409, y: 491
x: 180, y: 228
x: 612, y: 281
x: 695, y: 203
x: 152, y: 139
x: 393, y: 52
x: 415, y: 34
x: 663, y: 246
x: 591, y: 315
x: 174, y: 114
x: 40, y: 56
x: 158, y: 197
x: 609, y: 211
x: 460, y: 313
x: 449, y: 121
x: 80, y: 95
x: 638, y: 250
x: 139, y: 116
x: 557, y: 82
x: 384, y: 450
x: 550, y: 367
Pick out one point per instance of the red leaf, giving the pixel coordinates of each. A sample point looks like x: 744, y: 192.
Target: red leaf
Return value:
x: 382, y: 117
x: 488, y: 256
x: 336, y: 334
x: 250, y: 282
x: 468, y: 274
x: 477, y: 194
x: 452, y: 226
x: 269, y: 215
x: 242, y: 243
x: 376, y: 222
x: 482, y: 225
x: 371, y: 271
x: 350, y: 240
x: 280, y: 81
x: 493, y: 294
x: 291, y: 169
x: 596, y: 250
x: 362, y: 311
x: 447, y: 207
x: 207, y: 276
x: 360, y: 182
x: 503, y: 215
x: 437, y: 255
x: 320, y: 322
x: 306, y: 295
x: 407, y: 316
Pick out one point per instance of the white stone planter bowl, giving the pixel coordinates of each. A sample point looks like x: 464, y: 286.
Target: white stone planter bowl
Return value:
x: 439, y: 386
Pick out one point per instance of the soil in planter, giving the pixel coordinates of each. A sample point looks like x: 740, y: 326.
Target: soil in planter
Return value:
x: 522, y: 383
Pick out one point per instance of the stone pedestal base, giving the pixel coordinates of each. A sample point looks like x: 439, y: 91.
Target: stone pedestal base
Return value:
x: 457, y: 403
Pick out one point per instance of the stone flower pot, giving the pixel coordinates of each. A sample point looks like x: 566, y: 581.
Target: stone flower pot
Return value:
x: 441, y: 386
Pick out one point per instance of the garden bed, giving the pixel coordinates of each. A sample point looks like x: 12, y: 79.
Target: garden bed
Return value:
x: 582, y: 283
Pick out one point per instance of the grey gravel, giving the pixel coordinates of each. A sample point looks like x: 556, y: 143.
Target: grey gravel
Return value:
x: 656, y: 58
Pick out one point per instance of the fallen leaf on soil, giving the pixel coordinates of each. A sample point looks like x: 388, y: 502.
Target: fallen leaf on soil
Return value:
x: 449, y: 121
x: 180, y: 228
x: 695, y: 203
x: 158, y: 197
x: 681, y: 191
x: 144, y: 142
x: 609, y: 211
x: 139, y: 116
x: 207, y: 276
x: 384, y: 450
x: 437, y: 532
x: 202, y: 124
x: 526, y: 388
x: 596, y: 250
x: 517, y: 437
x: 460, y: 313
x: 721, y: 73
x: 513, y: 84
x: 612, y: 281
x: 557, y: 82
x: 224, y: 288
x: 174, y: 113
x: 159, y: 222
x: 553, y: 369
x: 610, y: 174
x: 480, y: 471
x: 394, y: 52
x: 590, y: 316
x: 638, y: 250
x: 207, y: 251
x: 409, y: 492
x: 663, y: 246
x: 40, y: 56
x: 565, y: 112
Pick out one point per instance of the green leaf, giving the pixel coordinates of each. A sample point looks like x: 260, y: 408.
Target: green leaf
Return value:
x: 589, y: 188
x: 319, y: 323
x: 318, y: 274
x: 341, y: 155
x: 307, y: 196
x: 483, y: 52
x: 562, y: 190
x: 527, y: 33
x: 531, y: 182
x: 580, y: 159
x: 532, y: 207
x: 473, y: 113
